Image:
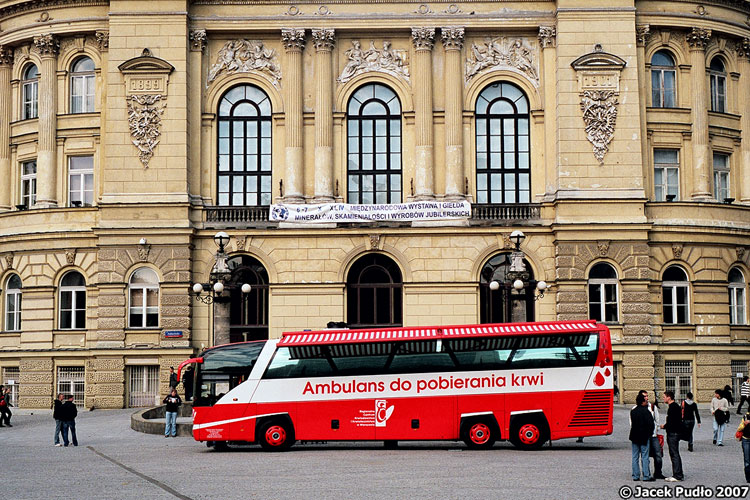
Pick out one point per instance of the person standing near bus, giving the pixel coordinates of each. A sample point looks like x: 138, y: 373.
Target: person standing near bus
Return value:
x: 744, y: 395
x: 173, y: 403
x: 172, y: 378
x: 641, y: 429
x: 673, y: 426
x: 690, y: 416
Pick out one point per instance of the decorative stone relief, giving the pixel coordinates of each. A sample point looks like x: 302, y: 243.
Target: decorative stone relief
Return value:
x: 239, y: 243
x: 677, y: 250
x: 143, y: 250
x: 47, y: 45
x: 387, y: 60
x: 44, y: 17
x: 246, y: 56
x: 453, y: 37
x: 323, y: 11
x: 293, y: 10
x: 423, y: 38
x: 698, y: 38
x: 293, y: 39
x: 506, y: 241
x: 102, y: 40
x: 9, y: 260
x: 374, y: 241
x: 453, y: 9
x: 603, y: 247
x: 547, y: 36
x: 144, y: 119
x: 740, y: 253
x: 70, y: 256
x: 741, y: 46
x: 6, y: 55
x: 424, y: 9
x: 76, y: 43
x: 198, y: 40
x: 701, y: 11
x: 324, y: 39
x: 503, y: 53
x: 642, y: 34
x: 599, y: 86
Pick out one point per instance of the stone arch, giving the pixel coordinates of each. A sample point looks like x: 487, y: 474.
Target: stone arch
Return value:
x: 262, y: 257
x: 479, y: 82
x: 399, y: 86
x: 225, y: 82
x: 387, y: 250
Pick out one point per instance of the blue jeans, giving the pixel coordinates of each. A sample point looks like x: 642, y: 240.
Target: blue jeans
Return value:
x: 72, y: 426
x: 746, y: 454
x: 171, y: 425
x: 719, y: 432
x: 58, y: 429
x: 640, y: 454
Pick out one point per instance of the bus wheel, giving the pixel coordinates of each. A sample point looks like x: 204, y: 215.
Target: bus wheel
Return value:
x: 390, y: 445
x: 529, y: 434
x: 220, y: 446
x: 275, y: 435
x: 478, y: 435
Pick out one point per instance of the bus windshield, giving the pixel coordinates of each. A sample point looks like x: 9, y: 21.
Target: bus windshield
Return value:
x: 223, y: 369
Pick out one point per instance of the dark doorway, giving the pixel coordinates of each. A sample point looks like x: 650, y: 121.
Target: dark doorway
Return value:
x: 374, y: 293
x: 248, y: 312
x: 504, y: 305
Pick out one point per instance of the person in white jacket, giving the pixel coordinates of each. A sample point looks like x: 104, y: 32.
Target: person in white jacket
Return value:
x: 720, y: 411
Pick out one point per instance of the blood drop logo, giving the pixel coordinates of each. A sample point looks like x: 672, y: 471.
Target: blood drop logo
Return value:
x: 382, y: 412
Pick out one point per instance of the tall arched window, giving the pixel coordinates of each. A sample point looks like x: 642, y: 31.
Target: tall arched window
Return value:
x: 663, y: 74
x: 248, y: 312
x: 737, y: 297
x: 30, y: 86
x: 374, y: 293
x: 13, y: 304
x: 244, y: 173
x: 144, y: 299
x: 506, y: 304
x: 374, y: 146
x: 675, y: 296
x: 603, y: 293
x: 82, y: 86
x: 502, y: 141
x: 72, y: 301
x: 717, y: 76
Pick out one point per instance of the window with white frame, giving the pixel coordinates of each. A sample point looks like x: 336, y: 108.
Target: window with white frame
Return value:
x: 82, y: 86
x: 666, y: 174
x: 678, y: 377
x: 81, y: 180
x: 72, y: 301
x: 13, y: 304
x: 71, y: 380
x: 675, y: 296
x: 11, y: 375
x: 721, y: 176
x: 663, y: 74
x: 144, y: 299
x: 30, y: 93
x: 28, y: 183
x: 737, y: 297
x: 718, y: 78
x: 603, y: 293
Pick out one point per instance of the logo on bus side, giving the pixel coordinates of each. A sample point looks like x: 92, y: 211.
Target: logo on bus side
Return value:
x: 382, y: 412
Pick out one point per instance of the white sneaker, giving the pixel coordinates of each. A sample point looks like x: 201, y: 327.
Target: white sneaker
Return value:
x: 58, y: 444
x: 671, y: 479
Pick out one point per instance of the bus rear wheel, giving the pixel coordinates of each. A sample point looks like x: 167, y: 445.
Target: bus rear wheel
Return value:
x: 275, y: 436
x: 529, y: 434
x: 478, y: 435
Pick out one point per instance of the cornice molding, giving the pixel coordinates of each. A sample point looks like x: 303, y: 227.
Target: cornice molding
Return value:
x: 41, y: 5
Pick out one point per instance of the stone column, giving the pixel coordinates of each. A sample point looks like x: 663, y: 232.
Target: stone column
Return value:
x: 46, y: 162
x: 453, y: 41
x: 294, y: 43
x: 697, y: 39
x: 424, y: 182
x: 743, y: 179
x: 221, y: 323
x: 548, y: 47
x: 102, y: 42
x: 642, y: 34
x: 324, y: 41
x: 198, y: 42
x: 6, y: 65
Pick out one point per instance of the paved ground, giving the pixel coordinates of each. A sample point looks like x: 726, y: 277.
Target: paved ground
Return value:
x: 115, y: 462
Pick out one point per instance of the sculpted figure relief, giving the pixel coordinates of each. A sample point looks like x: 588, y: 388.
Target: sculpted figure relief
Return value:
x: 502, y: 53
x: 246, y: 56
x: 387, y: 60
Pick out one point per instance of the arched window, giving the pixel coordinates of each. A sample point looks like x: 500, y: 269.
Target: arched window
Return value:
x: 502, y: 140
x: 675, y: 296
x: 663, y: 76
x: 603, y: 293
x: 248, y: 312
x: 374, y: 293
x: 82, y: 86
x: 144, y: 299
x: 374, y: 146
x: 13, y: 304
x: 506, y: 304
x: 72, y: 301
x: 717, y: 76
x: 30, y: 86
x: 244, y: 174
x: 737, y: 306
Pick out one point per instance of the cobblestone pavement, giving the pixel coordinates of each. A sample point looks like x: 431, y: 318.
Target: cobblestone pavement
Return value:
x: 115, y: 462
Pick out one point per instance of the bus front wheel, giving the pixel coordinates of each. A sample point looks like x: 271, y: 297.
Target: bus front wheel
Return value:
x: 479, y: 434
x: 529, y: 434
x: 276, y: 435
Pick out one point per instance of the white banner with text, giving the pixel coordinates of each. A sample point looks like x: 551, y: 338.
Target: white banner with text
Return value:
x: 398, y: 212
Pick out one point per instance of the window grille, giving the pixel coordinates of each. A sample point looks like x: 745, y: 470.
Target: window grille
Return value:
x: 739, y: 370
x: 72, y: 380
x: 679, y: 378
x: 143, y: 387
x: 10, y: 379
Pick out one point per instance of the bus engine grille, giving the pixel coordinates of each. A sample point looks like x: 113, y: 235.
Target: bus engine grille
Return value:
x: 594, y: 410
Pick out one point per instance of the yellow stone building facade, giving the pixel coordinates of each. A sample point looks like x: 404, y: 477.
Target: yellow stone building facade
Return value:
x: 613, y: 134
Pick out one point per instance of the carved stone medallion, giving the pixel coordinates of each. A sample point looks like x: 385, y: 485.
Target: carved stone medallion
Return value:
x: 239, y: 243
x: 547, y: 36
x: 677, y: 250
x: 198, y: 40
x: 374, y: 241
x: 70, y: 256
x: 144, y: 120
x: 143, y: 250
x: 102, y: 40
x: 246, y: 56
x: 516, y: 54
x: 9, y: 260
x: 603, y: 247
x: 740, y: 253
x: 385, y: 60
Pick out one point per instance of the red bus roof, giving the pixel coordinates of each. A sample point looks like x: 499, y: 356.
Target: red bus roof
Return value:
x: 434, y: 332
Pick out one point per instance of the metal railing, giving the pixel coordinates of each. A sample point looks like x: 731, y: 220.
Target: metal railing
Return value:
x: 505, y: 212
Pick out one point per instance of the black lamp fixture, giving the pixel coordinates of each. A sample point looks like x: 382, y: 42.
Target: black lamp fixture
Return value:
x: 518, y: 276
x: 219, y: 277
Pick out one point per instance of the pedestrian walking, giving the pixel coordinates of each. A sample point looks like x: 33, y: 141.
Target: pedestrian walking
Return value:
x: 5, y: 412
x: 727, y: 393
x: 720, y: 412
x: 744, y: 395
x: 641, y: 429
x: 68, y: 414
x: 57, y: 415
x: 743, y: 434
x: 674, y: 429
x: 172, y: 377
x: 173, y: 402
x: 690, y: 416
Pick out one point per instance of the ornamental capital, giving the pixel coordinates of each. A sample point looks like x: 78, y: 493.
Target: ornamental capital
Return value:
x: 6, y: 55
x: 198, y: 40
x: 743, y: 48
x: 547, y: 36
x: 324, y: 39
x: 698, y: 38
x: 423, y: 38
x: 293, y: 39
x: 453, y: 37
x: 47, y: 45
x: 102, y: 40
x: 642, y: 34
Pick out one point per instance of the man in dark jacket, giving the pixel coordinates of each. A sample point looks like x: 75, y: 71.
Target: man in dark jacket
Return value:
x: 172, y: 377
x: 56, y: 414
x: 674, y: 427
x: 641, y: 430
x: 68, y: 414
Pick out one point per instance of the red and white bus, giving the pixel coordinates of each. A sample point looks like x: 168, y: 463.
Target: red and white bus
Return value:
x: 523, y: 382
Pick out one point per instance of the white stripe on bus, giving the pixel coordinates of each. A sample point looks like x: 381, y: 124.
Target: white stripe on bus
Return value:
x: 233, y: 420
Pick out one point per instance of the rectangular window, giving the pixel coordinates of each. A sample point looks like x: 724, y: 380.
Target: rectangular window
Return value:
x: 718, y: 92
x: 603, y: 302
x: 143, y: 388
x: 72, y: 380
x: 721, y: 176
x: 72, y: 309
x: 28, y: 183
x: 13, y: 310
x: 737, y: 305
x: 81, y: 181
x: 666, y: 174
x: 11, y: 377
x: 678, y: 377
x: 675, y: 306
x: 30, y: 100
x: 82, y: 95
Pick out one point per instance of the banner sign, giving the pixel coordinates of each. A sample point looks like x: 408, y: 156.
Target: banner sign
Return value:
x: 343, y: 212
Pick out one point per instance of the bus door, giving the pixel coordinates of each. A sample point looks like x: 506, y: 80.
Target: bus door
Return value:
x: 415, y: 418
x: 334, y: 420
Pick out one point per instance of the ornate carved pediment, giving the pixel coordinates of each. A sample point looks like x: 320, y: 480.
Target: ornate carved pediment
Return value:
x: 516, y: 54
x: 145, y: 63
x: 246, y: 56
x: 385, y: 60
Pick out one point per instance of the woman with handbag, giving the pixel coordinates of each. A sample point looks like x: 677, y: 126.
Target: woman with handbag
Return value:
x: 720, y: 411
x: 743, y: 435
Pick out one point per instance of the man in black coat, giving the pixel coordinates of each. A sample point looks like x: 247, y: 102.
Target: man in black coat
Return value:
x: 56, y: 414
x: 673, y: 426
x: 641, y: 430
x: 68, y: 414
